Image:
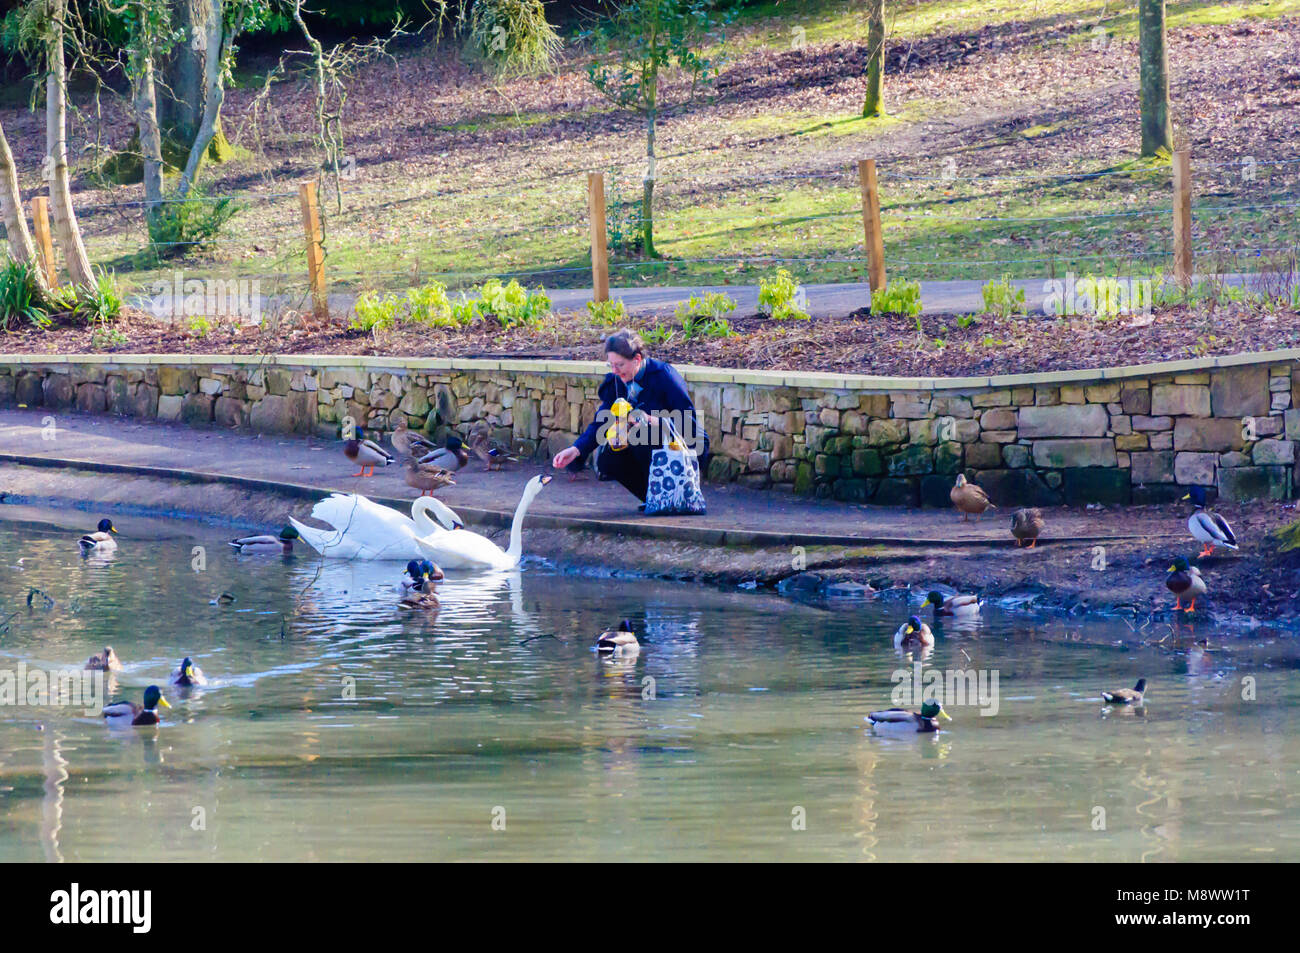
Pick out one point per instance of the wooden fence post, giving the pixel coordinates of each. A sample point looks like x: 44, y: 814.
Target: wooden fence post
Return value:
x: 873, y: 241
x: 1183, y: 217
x: 315, y: 250
x: 599, y: 247
x: 44, y: 245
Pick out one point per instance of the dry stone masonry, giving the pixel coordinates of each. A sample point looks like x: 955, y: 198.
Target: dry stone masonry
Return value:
x: 1039, y: 440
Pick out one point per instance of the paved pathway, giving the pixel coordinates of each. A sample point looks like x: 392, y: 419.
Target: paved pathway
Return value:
x: 823, y: 300
x: 310, y: 467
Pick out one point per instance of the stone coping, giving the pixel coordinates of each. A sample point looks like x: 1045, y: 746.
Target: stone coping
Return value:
x: 699, y: 374
x: 644, y: 527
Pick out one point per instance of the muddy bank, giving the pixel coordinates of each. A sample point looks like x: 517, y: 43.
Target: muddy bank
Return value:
x: 1257, y: 584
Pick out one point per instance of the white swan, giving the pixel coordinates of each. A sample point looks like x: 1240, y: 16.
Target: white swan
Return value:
x: 462, y: 549
x: 368, y: 530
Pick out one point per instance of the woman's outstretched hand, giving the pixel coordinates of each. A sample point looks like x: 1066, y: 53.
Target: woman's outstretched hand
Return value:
x: 564, y: 458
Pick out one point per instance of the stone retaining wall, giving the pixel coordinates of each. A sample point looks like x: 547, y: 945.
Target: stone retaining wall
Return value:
x: 1121, y: 435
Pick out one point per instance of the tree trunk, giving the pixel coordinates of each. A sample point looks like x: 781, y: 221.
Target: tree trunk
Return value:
x: 65, y: 220
x: 11, y: 212
x: 146, y: 117
x: 1153, y: 78
x: 651, y: 173
x: 873, y: 104
x: 180, y: 94
x: 214, y: 95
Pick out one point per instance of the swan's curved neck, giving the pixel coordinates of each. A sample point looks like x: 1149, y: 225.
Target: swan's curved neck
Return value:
x: 424, y: 522
x: 516, y: 550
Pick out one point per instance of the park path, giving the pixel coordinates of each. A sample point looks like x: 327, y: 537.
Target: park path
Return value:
x: 311, y: 467
x: 822, y: 300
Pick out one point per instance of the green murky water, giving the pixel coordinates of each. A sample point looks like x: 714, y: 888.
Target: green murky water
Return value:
x: 498, y: 711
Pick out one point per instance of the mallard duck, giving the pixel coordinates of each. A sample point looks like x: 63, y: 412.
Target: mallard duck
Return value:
x: 913, y: 633
x: 493, y: 457
x: 620, y: 642
x: 451, y: 457
x: 100, y: 541
x: 961, y: 606
x: 1185, y: 579
x: 1126, y: 696
x: 127, y: 712
x: 924, y: 721
x: 108, y: 662
x: 267, y: 545
x: 1208, y: 528
x: 188, y: 675
x: 366, y: 454
x: 1026, y: 524
x: 969, y: 498
x: 416, y: 585
x: 407, y: 442
x: 426, y: 477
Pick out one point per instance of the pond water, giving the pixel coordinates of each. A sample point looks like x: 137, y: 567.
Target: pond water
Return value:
x: 362, y: 732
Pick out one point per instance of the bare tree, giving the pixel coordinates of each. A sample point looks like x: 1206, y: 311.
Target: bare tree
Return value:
x: 1153, y: 78
x: 11, y: 211
x: 873, y: 104
x: 56, y: 147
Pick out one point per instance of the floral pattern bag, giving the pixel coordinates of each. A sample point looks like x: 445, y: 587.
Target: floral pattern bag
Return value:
x: 674, y: 486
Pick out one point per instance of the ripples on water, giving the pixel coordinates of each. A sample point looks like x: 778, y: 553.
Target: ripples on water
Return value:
x: 360, y: 731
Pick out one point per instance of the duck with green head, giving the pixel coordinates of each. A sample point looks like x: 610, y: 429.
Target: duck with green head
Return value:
x: 1185, y: 582
x: 188, y: 675
x: 924, y: 721
x: 100, y: 541
x: 620, y: 642
x: 956, y: 605
x: 266, y: 545
x: 128, y: 712
x: 912, y: 634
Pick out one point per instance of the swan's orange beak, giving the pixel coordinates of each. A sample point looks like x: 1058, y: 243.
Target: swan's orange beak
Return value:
x: 547, y: 479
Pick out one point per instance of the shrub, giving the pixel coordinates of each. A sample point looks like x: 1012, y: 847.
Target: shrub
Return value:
x: 429, y: 305
x: 898, y: 297
x: 607, y: 314
x: 20, y: 296
x: 714, y: 305
x: 375, y: 314
x: 101, y: 304
x: 512, y: 304
x: 106, y: 336
x: 190, y: 224
x: 779, y: 297
x: 1003, y: 300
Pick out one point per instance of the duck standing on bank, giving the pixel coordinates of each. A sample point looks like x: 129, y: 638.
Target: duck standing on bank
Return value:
x: 366, y: 454
x: 1209, y: 529
x: 1184, y: 581
x: 1026, y: 525
x: 406, y: 441
x: 451, y: 457
x: 969, y: 498
x: 426, y: 477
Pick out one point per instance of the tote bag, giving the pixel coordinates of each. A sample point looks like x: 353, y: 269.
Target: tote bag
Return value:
x: 674, y: 484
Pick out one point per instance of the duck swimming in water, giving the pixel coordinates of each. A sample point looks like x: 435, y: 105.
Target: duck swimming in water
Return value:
x: 912, y: 634
x: 963, y: 607
x: 267, y: 545
x: 620, y: 642
x: 188, y: 675
x: 108, y: 662
x: 129, y: 713
x: 100, y: 541
x: 924, y: 721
